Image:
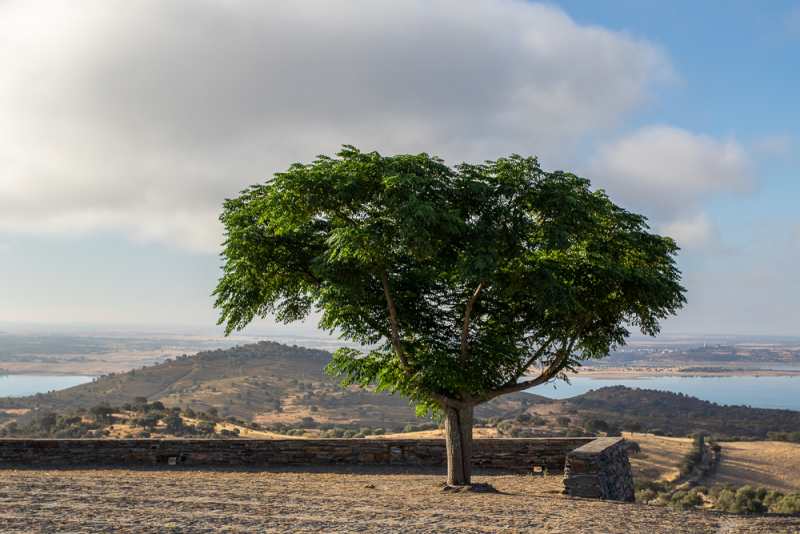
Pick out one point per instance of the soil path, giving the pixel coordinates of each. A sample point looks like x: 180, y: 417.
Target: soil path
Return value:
x: 329, y: 500
x: 156, y: 396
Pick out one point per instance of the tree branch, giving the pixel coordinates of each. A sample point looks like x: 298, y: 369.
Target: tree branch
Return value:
x: 465, y: 330
x: 346, y: 218
x: 552, y: 370
x: 535, y: 357
x: 395, y: 329
x: 398, y: 348
x: 313, y: 278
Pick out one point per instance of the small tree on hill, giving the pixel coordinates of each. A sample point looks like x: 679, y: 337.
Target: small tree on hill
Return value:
x: 467, y: 279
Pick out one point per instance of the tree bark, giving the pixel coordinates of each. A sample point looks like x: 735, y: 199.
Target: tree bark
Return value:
x: 458, y: 434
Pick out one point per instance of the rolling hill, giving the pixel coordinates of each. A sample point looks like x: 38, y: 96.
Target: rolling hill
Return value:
x: 271, y: 383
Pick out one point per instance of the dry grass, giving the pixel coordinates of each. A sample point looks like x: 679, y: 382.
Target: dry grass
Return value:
x: 773, y: 465
x: 660, y: 456
x: 327, y: 499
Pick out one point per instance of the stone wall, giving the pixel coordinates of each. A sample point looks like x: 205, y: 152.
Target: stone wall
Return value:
x: 597, y: 463
x: 599, y: 470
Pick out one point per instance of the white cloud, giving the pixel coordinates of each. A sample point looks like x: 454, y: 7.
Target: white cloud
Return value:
x: 668, y: 169
x: 695, y: 231
x: 667, y: 173
x: 142, y: 116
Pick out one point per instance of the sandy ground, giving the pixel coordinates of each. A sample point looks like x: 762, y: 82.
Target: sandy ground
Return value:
x: 302, y: 499
x: 773, y: 465
x: 660, y: 456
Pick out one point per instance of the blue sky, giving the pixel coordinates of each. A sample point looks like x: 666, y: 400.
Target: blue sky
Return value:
x: 123, y: 127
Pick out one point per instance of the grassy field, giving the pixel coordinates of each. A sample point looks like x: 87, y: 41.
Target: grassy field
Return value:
x: 768, y: 464
x: 660, y: 456
x: 773, y: 465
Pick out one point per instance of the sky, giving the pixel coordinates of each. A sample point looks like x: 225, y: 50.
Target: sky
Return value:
x: 124, y: 126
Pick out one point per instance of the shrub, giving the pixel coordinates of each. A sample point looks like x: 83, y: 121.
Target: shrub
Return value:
x: 694, y: 456
x: 494, y: 420
x: 523, y: 418
x: 349, y: 433
x: 645, y: 496
x: 743, y: 501
x: 685, y: 499
x: 656, y: 432
x: 505, y: 426
x: 359, y: 436
x: 379, y: 432
x: 644, y: 483
x: 563, y: 420
x: 789, y: 504
x: 538, y: 421
x: 633, y: 446
x: 101, y: 412
x: 206, y: 427
x: 174, y: 423
x: 596, y: 425
x: 147, y: 420
x: 143, y: 434
x: 366, y: 431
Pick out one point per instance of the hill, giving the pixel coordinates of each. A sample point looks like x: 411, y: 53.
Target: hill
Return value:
x: 678, y: 414
x: 270, y: 383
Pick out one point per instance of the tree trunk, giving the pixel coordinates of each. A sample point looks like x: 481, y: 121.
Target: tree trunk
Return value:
x: 458, y: 433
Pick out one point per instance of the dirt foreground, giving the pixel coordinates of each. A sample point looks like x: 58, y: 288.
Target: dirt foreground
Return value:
x: 357, y: 499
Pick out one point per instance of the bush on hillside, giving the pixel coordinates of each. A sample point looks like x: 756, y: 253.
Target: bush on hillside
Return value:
x: 523, y: 418
x: 633, y: 447
x: 695, y: 455
x: 742, y: 501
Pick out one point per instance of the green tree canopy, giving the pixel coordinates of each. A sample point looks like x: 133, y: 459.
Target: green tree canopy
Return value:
x: 461, y: 281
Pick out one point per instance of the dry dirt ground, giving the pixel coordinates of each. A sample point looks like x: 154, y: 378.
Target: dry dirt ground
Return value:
x: 773, y: 465
x: 329, y: 500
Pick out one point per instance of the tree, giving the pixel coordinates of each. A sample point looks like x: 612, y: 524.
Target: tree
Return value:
x: 147, y: 420
x: 458, y: 281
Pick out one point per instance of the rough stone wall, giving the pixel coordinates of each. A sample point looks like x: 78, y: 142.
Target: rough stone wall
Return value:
x: 600, y: 470
x: 593, y: 467
x: 513, y: 454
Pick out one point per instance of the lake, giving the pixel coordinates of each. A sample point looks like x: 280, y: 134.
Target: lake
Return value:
x: 782, y: 392
x: 24, y: 385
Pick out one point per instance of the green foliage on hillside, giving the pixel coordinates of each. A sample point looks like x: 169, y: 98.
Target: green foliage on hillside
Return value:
x: 677, y: 414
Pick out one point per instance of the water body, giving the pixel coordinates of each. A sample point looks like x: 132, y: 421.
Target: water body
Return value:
x: 24, y: 385
x: 781, y: 392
